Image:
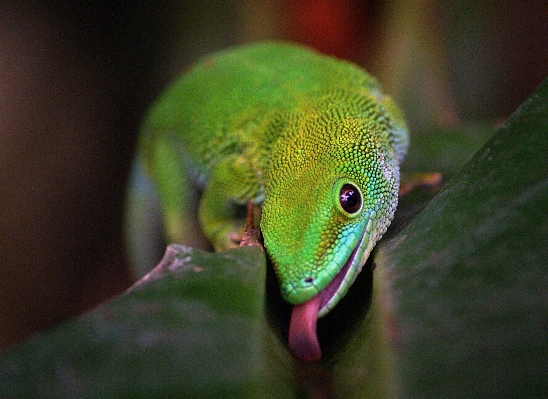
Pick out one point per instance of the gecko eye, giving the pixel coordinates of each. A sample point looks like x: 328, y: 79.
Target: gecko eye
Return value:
x: 350, y: 198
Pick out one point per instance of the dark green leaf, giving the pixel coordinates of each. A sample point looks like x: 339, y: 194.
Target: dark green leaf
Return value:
x: 469, y: 275
x: 194, y: 327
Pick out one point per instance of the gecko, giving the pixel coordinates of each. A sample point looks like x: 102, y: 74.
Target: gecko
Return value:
x: 300, y: 145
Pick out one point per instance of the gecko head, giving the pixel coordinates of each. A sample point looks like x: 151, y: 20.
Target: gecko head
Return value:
x: 324, y: 210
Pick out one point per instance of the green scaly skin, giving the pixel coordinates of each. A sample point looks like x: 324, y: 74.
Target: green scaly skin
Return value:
x: 283, y: 127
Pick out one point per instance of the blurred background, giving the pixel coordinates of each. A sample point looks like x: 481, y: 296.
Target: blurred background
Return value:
x: 76, y: 78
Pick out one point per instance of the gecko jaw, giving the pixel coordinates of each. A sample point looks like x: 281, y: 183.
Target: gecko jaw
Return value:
x: 331, y: 294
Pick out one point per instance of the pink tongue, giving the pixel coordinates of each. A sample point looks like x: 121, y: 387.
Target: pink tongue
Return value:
x: 303, y: 340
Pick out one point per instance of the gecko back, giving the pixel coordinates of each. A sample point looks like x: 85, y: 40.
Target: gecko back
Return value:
x: 230, y: 101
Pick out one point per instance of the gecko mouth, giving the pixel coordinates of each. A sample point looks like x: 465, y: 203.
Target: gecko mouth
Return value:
x: 303, y: 339
x: 332, y: 288
x: 329, y: 293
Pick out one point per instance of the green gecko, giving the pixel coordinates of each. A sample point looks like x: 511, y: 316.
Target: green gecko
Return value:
x: 306, y: 142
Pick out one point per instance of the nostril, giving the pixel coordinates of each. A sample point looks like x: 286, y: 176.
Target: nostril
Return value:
x: 309, y: 280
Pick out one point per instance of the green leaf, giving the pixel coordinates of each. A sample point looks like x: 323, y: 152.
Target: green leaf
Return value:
x: 456, y: 306
x: 193, y: 327
x: 468, y: 276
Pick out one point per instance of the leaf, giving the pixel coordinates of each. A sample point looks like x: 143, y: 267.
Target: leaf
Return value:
x: 193, y: 327
x: 468, y: 276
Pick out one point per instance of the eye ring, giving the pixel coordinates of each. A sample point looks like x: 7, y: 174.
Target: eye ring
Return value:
x: 350, y: 198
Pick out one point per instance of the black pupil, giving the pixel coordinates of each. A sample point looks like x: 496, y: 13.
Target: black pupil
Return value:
x: 350, y: 198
